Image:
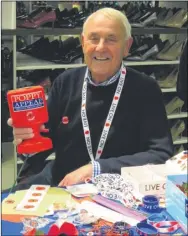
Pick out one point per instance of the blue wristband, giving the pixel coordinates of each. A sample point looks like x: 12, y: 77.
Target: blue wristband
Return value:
x: 155, y: 218
x: 144, y: 229
x: 150, y: 203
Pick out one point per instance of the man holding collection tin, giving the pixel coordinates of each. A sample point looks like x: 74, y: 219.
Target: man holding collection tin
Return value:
x: 103, y: 116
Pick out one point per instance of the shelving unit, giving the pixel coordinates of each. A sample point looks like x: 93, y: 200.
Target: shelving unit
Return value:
x: 61, y: 31
x: 26, y: 62
x: 182, y: 140
x: 168, y: 90
x: 151, y: 63
x: 178, y: 115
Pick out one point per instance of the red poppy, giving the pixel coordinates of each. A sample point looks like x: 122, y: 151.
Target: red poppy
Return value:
x: 40, y: 188
x: 54, y: 230
x: 10, y: 201
x: 28, y: 206
x: 66, y: 228
x: 33, y: 200
x: 36, y: 194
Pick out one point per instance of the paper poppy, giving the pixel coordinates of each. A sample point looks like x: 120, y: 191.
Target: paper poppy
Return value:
x: 28, y: 206
x: 66, y: 228
x: 33, y: 200
x: 10, y: 201
x: 36, y: 194
x: 40, y: 188
x: 54, y: 230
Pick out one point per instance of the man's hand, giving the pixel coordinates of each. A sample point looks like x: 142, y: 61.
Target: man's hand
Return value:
x: 21, y: 134
x: 77, y: 176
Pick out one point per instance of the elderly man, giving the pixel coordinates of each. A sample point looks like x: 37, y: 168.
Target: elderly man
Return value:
x: 104, y: 116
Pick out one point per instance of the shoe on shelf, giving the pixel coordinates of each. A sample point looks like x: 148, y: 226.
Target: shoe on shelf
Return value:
x: 40, y: 49
x: 157, y: 74
x: 21, y: 11
x: 147, y: 13
x: 21, y: 19
x: 161, y: 15
x: 80, y: 21
x: 34, y: 76
x: 37, y: 44
x: 72, y: 56
x: 66, y: 18
x: 172, y: 53
x: 148, y: 54
x: 140, y: 50
x: 169, y: 81
x: 70, y: 51
x: 174, y: 105
x: 49, y: 51
x: 141, y: 45
x: 166, y: 46
x: 43, y: 49
x: 66, y: 23
x: 162, y: 21
x: 137, y: 42
x: 135, y: 17
x: 143, y: 52
x: 147, y: 22
x: 177, y: 129
x: 177, y: 20
x: 45, y: 16
x: 127, y: 8
x: 134, y: 14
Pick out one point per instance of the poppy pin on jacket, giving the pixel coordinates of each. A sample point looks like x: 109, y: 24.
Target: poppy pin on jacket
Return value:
x: 65, y: 120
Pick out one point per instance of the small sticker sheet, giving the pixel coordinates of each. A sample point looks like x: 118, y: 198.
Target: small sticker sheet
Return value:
x: 33, y: 198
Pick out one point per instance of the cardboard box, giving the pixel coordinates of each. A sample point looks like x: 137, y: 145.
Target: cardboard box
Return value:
x: 148, y: 179
x: 151, y: 179
x: 176, y: 198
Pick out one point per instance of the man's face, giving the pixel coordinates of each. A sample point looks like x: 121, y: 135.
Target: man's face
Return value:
x: 104, y: 46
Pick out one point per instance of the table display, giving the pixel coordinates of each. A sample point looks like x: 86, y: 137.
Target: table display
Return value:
x: 106, y: 205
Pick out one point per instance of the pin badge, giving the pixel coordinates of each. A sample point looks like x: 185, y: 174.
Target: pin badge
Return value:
x: 65, y: 120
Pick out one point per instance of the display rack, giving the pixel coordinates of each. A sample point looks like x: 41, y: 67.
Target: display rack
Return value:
x: 59, y: 31
x: 26, y: 62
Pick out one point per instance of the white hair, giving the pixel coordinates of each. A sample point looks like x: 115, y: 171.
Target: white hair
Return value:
x: 114, y: 15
